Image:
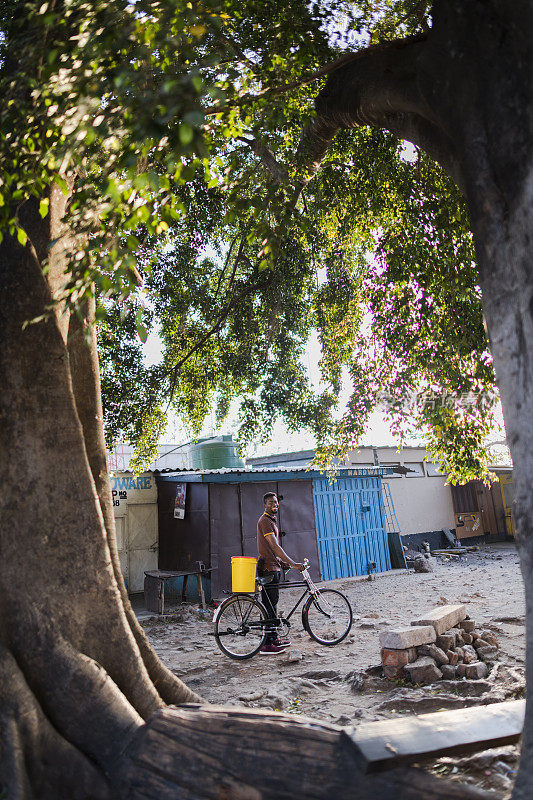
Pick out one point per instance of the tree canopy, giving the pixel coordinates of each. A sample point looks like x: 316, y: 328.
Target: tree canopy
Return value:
x: 180, y: 133
x: 209, y: 123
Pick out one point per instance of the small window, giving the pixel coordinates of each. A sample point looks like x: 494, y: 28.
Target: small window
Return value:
x: 433, y: 470
x: 416, y: 467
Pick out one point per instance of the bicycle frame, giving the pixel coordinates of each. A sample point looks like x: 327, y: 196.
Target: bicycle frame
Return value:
x: 310, y: 589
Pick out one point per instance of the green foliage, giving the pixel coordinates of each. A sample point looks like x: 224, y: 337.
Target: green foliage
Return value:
x: 173, y: 129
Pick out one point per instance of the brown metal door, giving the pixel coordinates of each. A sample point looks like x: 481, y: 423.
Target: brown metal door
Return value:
x: 224, y: 513
x: 251, y: 506
x: 297, y: 520
x: 183, y: 542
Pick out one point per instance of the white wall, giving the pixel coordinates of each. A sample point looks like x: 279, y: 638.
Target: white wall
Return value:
x: 135, y: 509
x: 421, y: 500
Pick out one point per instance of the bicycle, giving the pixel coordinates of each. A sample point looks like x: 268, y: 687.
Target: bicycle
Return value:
x: 241, y: 621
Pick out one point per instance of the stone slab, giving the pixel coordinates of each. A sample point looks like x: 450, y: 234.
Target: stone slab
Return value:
x: 404, y: 638
x: 442, y: 618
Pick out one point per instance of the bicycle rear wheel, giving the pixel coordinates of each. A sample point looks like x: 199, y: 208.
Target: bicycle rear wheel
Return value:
x: 240, y: 629
x: 327, y: 618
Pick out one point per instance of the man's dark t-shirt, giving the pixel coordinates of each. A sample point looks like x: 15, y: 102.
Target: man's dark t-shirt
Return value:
x: 267, y: 529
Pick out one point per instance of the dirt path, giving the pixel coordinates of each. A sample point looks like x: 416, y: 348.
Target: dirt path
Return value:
x: 343, y: 684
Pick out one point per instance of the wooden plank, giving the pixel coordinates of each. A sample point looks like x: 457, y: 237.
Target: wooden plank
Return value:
x: 216, y: 753
x: 153, y: 594
x: 388, y: 743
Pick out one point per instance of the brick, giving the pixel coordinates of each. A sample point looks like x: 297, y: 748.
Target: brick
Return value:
x: 470, y: 654
x: 448, y: 672
x: 404, y: 638
x: 490, y: 638
x: 460, y: 652
x: 423, y: 670
x: 445, y: 641
x: 453, y: 658
x: 468, y: 638
x: 397, y: 658
x: 467, y: 625
x: 438, y: 655
x: 459, y: 641
x: 476, y: 670
x: 442, y: 618
x: 460, y: 670
x: 481, y: 643
x: 487, y: 653
x: 434, y: 652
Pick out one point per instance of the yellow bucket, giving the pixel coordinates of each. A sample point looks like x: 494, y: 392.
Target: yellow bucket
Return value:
x: 243, y: 570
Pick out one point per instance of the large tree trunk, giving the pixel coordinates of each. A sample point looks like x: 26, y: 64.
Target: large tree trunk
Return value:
x: 85, y: 373
x: 74, y: 684
x: 464, y: 94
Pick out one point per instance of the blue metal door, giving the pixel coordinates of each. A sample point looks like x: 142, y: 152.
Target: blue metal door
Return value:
x: 350, y: 525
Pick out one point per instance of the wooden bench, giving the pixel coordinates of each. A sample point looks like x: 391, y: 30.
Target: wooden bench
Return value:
x: 154, y: 586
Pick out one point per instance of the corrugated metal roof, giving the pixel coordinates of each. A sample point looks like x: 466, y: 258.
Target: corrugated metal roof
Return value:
x: 248, y: 473
x: 249, y: 470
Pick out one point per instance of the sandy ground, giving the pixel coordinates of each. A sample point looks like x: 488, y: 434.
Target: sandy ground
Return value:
x: 343, y: 684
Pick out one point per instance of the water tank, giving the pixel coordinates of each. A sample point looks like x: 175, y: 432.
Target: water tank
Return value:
x: 214, y: 452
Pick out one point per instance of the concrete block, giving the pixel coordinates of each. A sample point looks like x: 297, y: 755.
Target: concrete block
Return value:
x: 423, y: 670
x: 446, y: 641
x: 438, y: 655
x: 476, y: 670
x: 393, y: 673
x: 442, y: 618
x: 448, y: 672
x: 467, y: 638
x: 481, y: 643
x: 467, y: 625
x: 404, y: 638
x: 398, y: 658
x: 487, y: 653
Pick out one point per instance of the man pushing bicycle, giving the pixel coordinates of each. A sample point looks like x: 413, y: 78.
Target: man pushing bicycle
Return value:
x: 272, y: 559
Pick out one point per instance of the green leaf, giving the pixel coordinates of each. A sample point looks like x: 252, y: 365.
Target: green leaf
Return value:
x: 21, y: 236
x: 186, y: 133
x: 43, y: 207
x: 141, y: 330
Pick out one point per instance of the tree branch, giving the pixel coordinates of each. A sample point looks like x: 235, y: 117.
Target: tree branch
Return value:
x: 216, y: 327
x: 274, y: 91
x: 267, y: 157
x: 382, y: 89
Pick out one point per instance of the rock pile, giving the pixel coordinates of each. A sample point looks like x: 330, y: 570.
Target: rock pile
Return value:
x: 442, y: 644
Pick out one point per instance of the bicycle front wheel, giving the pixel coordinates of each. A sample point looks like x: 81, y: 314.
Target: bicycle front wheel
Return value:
x: 240, y: 629
x: 328, y: 617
